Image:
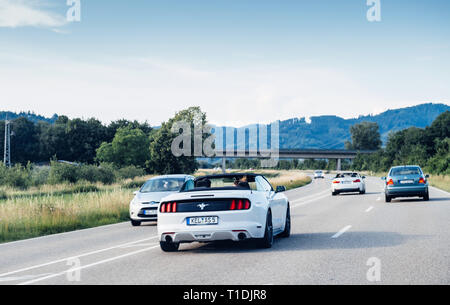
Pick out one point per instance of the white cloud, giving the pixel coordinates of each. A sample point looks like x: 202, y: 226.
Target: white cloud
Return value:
x: 155, y: 89
x: 21, y: 13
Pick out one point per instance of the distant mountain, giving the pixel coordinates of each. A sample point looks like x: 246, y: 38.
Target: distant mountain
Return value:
x: 331, y: 132
x: 29, y: 115
x: 323, y: 132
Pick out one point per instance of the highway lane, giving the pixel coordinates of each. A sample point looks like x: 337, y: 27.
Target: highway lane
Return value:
x: 332, y: 240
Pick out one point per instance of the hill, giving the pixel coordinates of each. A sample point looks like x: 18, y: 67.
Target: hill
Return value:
x: 331, y: 132
x: 29, y: 115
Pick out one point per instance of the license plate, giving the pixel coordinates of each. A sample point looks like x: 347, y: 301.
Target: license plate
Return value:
x: 204, y: 220
x: 346, y: 182
x: 407, y: 181
x: 150, y: 212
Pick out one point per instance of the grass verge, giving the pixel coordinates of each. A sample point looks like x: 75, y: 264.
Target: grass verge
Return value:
x: 441, y: 182
x: 52, y: 209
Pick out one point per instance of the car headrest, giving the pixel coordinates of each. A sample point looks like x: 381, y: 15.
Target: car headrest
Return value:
x: 204, y: 183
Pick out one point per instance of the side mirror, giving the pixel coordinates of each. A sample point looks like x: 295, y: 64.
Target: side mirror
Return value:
x: 364, y: 177
x: 280, y: 189
x: 383, y: 178
x: 427, y: 176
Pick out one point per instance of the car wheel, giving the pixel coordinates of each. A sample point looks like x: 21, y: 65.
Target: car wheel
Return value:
x: 135, y: 223
x: 362, y: 192
x: 267, y: 240
x: 334, y: 193
x: 426, y: 197
x: 287, y: 225
x: 387, y: 198
x: 169, y: 247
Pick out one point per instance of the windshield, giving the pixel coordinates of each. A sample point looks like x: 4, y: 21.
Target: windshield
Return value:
x: 401, y: 171
x: 162, y: 185
x: 347, y: 175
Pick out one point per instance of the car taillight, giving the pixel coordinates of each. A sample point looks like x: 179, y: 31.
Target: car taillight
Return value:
x: 168, y: 207
x: 357, y: 181
x: 390, y: 182
x: 422, y: 181
x: 336, y: 181
x: 240, y: 204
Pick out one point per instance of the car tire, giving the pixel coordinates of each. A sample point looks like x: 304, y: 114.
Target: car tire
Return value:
x: 334, y: 193
x: 169, y: 247
x: 135, y: 223
x: 362, y: 192
x: 387, y: 198
x: 287, y: 225
x: 267, y: 240
x: 426, y: 197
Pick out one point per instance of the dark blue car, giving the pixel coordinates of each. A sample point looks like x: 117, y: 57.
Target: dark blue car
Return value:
x: 406, y: 181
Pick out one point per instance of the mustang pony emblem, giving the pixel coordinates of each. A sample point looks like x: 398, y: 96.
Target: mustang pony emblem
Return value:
x: 202, y: 206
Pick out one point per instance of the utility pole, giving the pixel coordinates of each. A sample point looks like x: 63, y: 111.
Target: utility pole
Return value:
x: 7, y: 149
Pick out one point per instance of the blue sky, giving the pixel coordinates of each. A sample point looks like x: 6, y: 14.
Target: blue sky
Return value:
x: 242, y: 61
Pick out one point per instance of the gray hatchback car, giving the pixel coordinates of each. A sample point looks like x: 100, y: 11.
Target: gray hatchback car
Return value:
x: 406, y: 181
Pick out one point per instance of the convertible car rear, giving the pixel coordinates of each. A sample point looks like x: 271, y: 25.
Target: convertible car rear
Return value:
x: 223, y: 207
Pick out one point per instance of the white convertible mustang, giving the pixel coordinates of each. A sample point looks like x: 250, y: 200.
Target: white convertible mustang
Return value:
x: 224, y: 207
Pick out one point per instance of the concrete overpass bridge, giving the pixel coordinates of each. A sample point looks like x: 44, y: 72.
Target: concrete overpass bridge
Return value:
x: 293, y: 154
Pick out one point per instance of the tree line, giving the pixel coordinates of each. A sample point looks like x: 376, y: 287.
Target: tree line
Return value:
x: 427, y: 147
x: 121, y: 143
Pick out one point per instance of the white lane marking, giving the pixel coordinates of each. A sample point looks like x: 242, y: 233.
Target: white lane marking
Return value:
x: 81, y: 255
x: 369, y: 209
x: 309, y: 201
x: 306, y: 200
x: 60, y: 234
x: 137, y: 245
x: 342, y: 231
x: 88, y: 266
x: 22, y: 278
x: 437, y: 189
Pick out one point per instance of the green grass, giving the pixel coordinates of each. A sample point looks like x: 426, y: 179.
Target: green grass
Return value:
x: 26, y: 217
x: 297, y: 183
x: 441, y: 182
x: 51, y: 209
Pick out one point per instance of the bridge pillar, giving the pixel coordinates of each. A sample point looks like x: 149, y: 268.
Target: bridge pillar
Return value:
x: 338, y: 164
x: 224, y: 165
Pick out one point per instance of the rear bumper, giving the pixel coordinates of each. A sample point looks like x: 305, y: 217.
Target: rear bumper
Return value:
x: 231, y: 224
x: 348, y: 187
x: 347, y: 190
x: 407, y: 191
x: 206, y: 236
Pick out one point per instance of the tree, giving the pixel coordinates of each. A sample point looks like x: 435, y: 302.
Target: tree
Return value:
x: 129, y: 147
x: 162, y: 159
x: 24, y: 143
x: 365, y: 136
x: 115, y: 125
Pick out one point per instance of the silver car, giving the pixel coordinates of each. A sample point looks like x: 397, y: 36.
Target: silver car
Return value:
x: 406, y: 181
x: 144, y: 206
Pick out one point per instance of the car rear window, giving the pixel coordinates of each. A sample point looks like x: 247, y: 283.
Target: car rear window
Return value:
x: 401, y: 171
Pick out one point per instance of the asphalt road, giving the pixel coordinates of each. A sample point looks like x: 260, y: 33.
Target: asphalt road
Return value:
x: 335, y: 240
